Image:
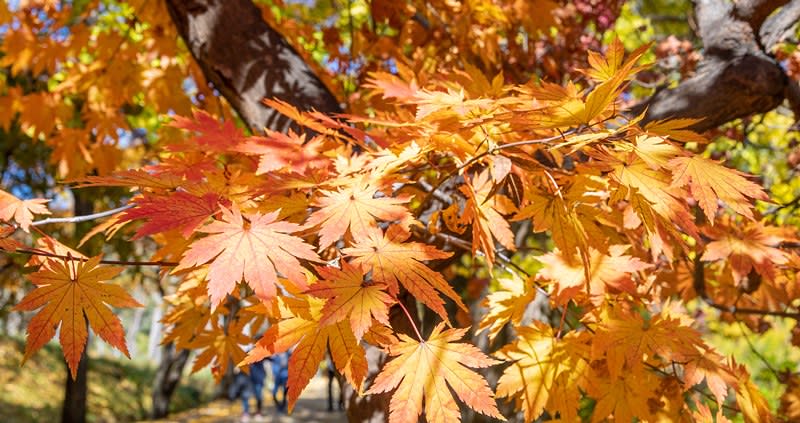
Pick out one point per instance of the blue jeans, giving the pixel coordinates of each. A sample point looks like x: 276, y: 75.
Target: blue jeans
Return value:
x: 256, y: 389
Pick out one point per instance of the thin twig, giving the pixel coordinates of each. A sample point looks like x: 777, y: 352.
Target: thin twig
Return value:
x: 84, y: 218
x: 41, y: 253
x: 756, y: 352
x: 743, y: 310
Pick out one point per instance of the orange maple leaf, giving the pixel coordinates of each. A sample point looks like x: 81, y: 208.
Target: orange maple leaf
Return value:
x: 626, y: 396
x: 608, y: 273
x: 278, y: 151
x: 20, y: 210
x: 395, y: 262
x: 300, y: 326
x: 754, y: 406
x: 625, y: 339
x: 709, y: 182
x: 354, y: 208
x: 425, y: 369
x: 252, y: 246
x: 482, y: 210
x: 72, y: 293
x: 746, y: 247
x: 179, y: 210
x: 348, y: 293
x: 211, y: 134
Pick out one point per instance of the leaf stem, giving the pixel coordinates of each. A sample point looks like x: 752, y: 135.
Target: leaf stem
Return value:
x: 413, y: 325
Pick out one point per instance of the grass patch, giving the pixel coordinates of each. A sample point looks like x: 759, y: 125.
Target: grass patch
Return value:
x: 119, y: 389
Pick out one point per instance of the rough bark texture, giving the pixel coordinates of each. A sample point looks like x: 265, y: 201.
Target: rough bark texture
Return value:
x: 248, y: 61
x: 737, y: 76
x: 167, y: 378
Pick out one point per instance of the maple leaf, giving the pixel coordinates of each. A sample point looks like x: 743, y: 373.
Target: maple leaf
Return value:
x: 746, y: 247
x: 278, y: 151
x: 354, y: 208
x: 220, y: 345
x: 754, y: 406
x: 72, y: 293
x: 626, y: 396
x: 179, y: 210
x: 654, y: 185
x: 569, y: 215
x: 544, y: 372
x: 300, y: 326
x: 211, y: 134
x: 487, y: 223
x: 790, y: 400
x: 391, y: 86
x: 395, y: 262
x: 655, y: 151
x: 347, y: 293
x: 425, y: 369
x: 709, y: 181
x: 507, y: 304
x: 608, y: 273
x: 252, y: 246
x: 625, y: 339
x: 708, y: 366
x: 20, y: 210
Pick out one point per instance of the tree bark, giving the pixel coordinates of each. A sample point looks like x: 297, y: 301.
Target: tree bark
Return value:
x: 75, y: 391
x: 248, y: 61
x: 168, y: 376
x: 738, y: 76
x: 74, y: 407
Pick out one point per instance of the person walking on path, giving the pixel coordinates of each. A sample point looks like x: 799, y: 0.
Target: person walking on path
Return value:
x: 280, y: 373
x: 252, y: 384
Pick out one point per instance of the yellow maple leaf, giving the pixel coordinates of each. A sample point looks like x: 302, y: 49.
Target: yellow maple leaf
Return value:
x: 507, y: 304
x: 487, y: 224
x: 425, y: 369
x: 299, y: 327
x: 544, y: 371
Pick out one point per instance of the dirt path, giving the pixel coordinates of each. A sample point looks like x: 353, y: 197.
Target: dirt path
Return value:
x: 310, y: 408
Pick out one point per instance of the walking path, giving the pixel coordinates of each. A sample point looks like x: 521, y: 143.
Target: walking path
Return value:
x: 310, y: 408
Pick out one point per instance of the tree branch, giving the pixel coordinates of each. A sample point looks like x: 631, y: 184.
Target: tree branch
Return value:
x: 84, y: 218
x: 248, y: 61
x: 780, y: 26
x: 35, y: 252
x: 737, y: 77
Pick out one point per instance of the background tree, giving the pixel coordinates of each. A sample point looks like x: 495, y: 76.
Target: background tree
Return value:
x: 448, y: 127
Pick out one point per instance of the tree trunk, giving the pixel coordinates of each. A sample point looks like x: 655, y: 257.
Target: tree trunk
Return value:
x: 168, y: 376
x: 75, y: 391
x: 248, y: 61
